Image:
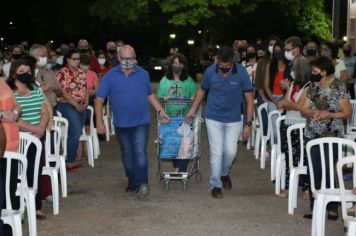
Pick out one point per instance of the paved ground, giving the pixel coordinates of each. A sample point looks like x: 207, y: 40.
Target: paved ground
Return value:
x: 98, y: 205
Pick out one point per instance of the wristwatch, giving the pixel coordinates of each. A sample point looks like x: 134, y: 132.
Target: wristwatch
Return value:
x: 249, y: 123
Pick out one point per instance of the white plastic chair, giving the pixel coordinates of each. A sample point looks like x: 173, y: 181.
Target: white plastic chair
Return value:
x: 275, y: 145
x: 280, y: 181
x: 351, y: 122
x: 30, y: 192
x: 88, y: 138
x: 9, y: 215
x: 62, y: 123
x: 349, y: 221
x: 264, y: 138
x: 295, y: 171
x: 325, y: 195
x: 52, y: 156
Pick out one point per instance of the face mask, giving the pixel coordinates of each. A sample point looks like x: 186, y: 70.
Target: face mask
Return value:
x: 289, y: 56
x: 49, y: 66
x: 59, y: 60
x: 177, y: 70
x: 311, y: 52
x: 251, y: 55
x: 118, y: 49
x: 224, y: 70
x: 84, y: 50
x: 270, y: 49
x: 16, y: 56
x: 36, y: 72
x: 24, y: 78
x: 112, y: 51
x: 292, y: 74
x: 243, y: 58
x: 326, y: 53
x: 279, y: 56
x: 127, y: 63
x: 101, y: 61
x: 85, y: 68
x: 347, y: 53
x: 315, y: 78
x: 42, y: 61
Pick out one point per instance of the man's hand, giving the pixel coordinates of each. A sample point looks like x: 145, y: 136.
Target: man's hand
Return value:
x: 163, y: 117
x: 246, y: 133
x: 100, y: 127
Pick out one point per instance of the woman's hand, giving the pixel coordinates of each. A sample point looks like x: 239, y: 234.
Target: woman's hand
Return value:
x: 321, y: 115
x: 281, y: 104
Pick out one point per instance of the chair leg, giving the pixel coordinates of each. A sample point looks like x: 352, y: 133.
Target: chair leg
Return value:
x: 258, y: 143
x: 278, y: 175
x: 55, y: 192
x: 283, y: 175
x: 273, y: 162
x: 63, y: 174
x: 17, y: 226
x: 291, y: 192
x: 90, y: 152
x: 263, y: 154
x: 31, y: 212
x: 351, y: 231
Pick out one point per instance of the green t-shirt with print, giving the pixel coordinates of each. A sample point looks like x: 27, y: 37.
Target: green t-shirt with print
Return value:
x: 176, y: 89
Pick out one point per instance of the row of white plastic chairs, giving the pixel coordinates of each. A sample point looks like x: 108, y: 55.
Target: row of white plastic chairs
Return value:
x: 55, y: 157
x: 278, y: 164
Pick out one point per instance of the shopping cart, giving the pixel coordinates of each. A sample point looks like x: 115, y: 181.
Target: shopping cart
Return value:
x: 178, y: 139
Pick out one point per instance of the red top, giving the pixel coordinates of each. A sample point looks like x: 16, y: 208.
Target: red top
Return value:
x: 94, y: 64
x: 73, y: 81
x: 105, y: 69
x: 276, y: 89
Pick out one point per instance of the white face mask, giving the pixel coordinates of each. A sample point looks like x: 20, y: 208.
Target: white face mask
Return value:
x: 270, y: 49
x: 292, y: 74
x: 60, y: 60
x: 101, y: 61
x: 289, y: 55
x: 42, y: 61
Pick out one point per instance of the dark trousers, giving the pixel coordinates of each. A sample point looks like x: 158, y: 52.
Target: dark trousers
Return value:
x: 181, y: 165
x: 315, y: 158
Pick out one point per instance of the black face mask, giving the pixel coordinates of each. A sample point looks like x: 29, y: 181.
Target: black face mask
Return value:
x: 16, y: 56
x: 347, y: 53
x: 259, y: 57
x: 315, y: 78
x: 243, y: 58
x: 251, y: 55
x: 279, y: 56
x: 224, y: 70
x: 85, y: 50
x: 311, y: 52
x: 24, y: 78
x: 112, y: 51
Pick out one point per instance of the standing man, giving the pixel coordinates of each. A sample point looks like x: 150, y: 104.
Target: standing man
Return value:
x: 293, y: 48
x: 83, y: 47
x: 227, y: 83
x: 129, y: 90
x: 112, y: 53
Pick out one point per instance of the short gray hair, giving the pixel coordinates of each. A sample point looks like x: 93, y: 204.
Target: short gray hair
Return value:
x: 35, y: 48
x: 127, y: 46
x: 295, y: 41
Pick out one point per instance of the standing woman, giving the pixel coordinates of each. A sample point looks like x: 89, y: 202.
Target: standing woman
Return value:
x: 292, y: 103
x: 34, y: 116
x: 177, y: 83
x: 73, y: 81
x: 325, y: 107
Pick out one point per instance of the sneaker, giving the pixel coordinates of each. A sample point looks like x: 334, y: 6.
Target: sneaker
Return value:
x: 283, y: 194
x: 143, y: 191
x: 226, y: 182
x: 216, y: 193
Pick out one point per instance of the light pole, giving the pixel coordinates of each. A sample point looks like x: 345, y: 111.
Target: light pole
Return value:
x: 336, y: 18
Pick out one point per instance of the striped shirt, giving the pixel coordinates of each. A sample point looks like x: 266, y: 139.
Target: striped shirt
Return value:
x: 31, y: 106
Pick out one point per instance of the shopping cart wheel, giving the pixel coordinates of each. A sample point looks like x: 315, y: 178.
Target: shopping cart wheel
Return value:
x: 185, y: 185
x: 198, y: 177
x: 166, y: 186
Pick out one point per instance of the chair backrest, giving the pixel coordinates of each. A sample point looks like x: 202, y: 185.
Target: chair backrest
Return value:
x: 15, y: 158
x: 347, y: 161
x: 262, y: 108
x: 300, y: 128
x: 91, y: 126
x: 53, y: 144
x: 272, y: 117
x: 351, y: 122
x: 332, y: 144
x: 62, y: 123
x: 26, y: 140
x: 278, y: 123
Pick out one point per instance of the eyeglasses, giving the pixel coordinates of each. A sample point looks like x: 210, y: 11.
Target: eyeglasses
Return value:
x: 287, y: 50
x: 75, y: 59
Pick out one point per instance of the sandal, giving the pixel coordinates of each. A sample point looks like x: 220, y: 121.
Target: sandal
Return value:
x: 74, y: 167
x: 305, y: 195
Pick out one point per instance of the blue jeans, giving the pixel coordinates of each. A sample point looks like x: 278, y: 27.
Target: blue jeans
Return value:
x: 133, y: 144
x: 223, y: 138
x: 76, y: 122
x: 272, y: 107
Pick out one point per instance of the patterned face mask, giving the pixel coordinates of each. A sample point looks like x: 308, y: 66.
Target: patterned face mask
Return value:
x: 127, y: 63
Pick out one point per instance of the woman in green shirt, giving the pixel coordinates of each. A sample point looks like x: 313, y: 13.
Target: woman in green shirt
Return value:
x: 177, y: 84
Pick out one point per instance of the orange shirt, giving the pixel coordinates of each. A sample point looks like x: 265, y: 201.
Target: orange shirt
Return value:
x: 7, y: 102
x: 276, y: 89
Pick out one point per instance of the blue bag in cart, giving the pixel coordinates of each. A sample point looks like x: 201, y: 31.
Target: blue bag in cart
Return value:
x: 170, y: 139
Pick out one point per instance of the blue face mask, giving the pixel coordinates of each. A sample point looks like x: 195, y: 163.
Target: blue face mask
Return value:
x: 127, y: 63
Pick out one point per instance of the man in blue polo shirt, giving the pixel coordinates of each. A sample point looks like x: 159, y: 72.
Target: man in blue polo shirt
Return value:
x: 227, y: 83
x: 129, y: 90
